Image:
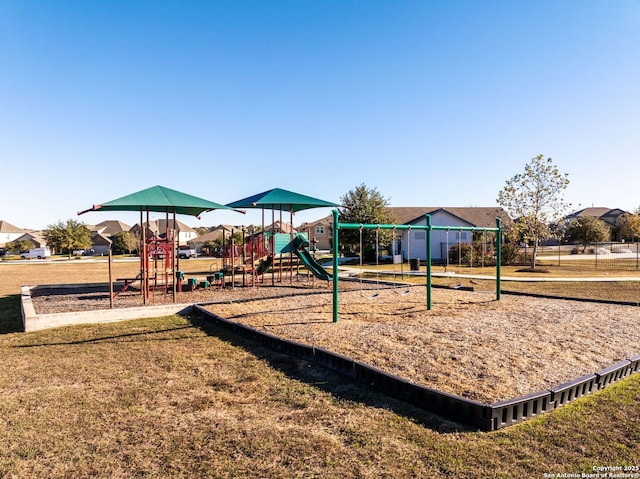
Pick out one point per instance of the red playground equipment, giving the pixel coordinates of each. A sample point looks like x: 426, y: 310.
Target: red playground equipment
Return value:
x: 250, y: 257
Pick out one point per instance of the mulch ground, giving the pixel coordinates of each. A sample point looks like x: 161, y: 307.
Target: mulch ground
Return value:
x: 468, y: 344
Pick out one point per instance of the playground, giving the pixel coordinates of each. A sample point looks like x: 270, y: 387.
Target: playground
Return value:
x: 468, y: 344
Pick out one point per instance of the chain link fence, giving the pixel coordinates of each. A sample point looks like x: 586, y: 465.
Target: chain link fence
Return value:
x: 603, y: 256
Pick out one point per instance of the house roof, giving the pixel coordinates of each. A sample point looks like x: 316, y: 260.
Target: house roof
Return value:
x: 594, y: 212
x: 610, y: 216
x: 227, y: 228
x: 281, y: 226
x: 33, y: 236
x: 9, y: 228
x: 310, y: 224
x: 111, y: 227
x: 210, y: 236
x: 615, y: 212
x: 482, y: 217
x: 99, y: 239
x: 214, y: 234
x: 160, y: 226
x: 478, y: 216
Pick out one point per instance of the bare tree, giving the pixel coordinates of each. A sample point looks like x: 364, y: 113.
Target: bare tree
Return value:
x: 534, y: 200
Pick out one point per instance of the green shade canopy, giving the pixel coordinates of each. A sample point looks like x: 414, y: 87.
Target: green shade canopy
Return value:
x: 283, y: 200
x: 160, y: 199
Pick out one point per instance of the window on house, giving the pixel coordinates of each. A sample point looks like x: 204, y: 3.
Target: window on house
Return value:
x: 320, y: 229
x: 420, y: 235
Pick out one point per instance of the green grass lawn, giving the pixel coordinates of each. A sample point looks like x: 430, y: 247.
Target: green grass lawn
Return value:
x: 176, y: 397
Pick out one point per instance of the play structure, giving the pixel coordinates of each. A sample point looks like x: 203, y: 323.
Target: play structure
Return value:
x: 428, y: 228
x: 300, y: 246
x: 268, y: 252
x: 264, y: 251
x: 249, y: 258
x: 158, y: 261
x: 280, y: 243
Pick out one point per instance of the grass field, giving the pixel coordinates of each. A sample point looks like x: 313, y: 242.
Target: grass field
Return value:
x: 628, y: 291
x: 173, y: 397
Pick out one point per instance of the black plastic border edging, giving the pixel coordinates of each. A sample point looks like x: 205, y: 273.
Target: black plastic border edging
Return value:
x: 488, y: 417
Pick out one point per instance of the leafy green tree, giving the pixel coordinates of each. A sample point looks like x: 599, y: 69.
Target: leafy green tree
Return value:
x: 534, y: 200
x: 511, y: 252
x: 124, y: 242
x: 21, y: 246
x: 210, y: 247
x: 65, y: 237
x: 587, y: 230
x: 630, y: 226
x: 365, y: 205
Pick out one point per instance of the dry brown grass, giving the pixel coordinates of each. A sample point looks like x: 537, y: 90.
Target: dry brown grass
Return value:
x: 77, y: 271
x: 628, y: 291
x: 174, y: 397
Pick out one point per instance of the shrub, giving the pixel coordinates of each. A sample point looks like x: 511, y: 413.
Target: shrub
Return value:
x: 461, y: 253
x: 511, y: 253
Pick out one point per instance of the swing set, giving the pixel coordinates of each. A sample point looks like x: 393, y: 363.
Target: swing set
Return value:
x: 428, y: 228
x: 377, y: 249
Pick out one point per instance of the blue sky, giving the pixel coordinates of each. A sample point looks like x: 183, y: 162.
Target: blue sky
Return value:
x: 434, y: 103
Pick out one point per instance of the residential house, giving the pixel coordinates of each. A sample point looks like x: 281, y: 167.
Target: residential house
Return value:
x: 319, y: 233
x: 100, y: 244
x: 110, y: 228
x: 9, y: 233
x: 216, y: 234
x: 280, y: 227
x: 610, y: 217
x: 102, y: 234
x: 35, y: 237
x: 412, y: 243
x: 159, y: 228
x: 221, y: 232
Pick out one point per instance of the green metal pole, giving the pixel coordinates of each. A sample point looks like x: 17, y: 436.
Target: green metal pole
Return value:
x: 428, y: 261
x: 336, y: 228
x: 498, y: 256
